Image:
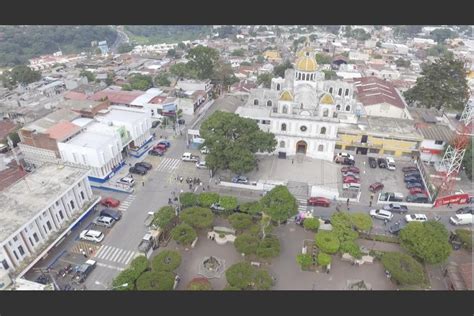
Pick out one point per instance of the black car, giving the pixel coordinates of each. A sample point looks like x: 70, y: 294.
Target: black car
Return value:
x: 414, y: 185
x: 410, y: 169
x: 154, y: 124
x: 116, y: 215
x: 372, y: 162
x: 145, y: 165
x: 396, y: 228
x: 181, y: 122
x: 412, y: 179
x: 347, y: 161
x: 465, y: 210
x: 412, y: 174
x: 382, y: 163
x: 138, y: 170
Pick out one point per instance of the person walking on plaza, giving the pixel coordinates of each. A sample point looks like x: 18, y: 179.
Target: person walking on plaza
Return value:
x: 347, y: 202
x: 370, y: 203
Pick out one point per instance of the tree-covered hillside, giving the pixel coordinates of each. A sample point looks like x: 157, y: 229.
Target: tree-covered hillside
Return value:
x: 20, y: 43
x: 153, y: 34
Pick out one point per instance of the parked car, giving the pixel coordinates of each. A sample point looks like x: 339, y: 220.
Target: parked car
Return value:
x: 395, y: 207
x: 201, y: 164
x: 417, y: 198
x: 104, y: 221
x: 355, y: 186
x: 382, y: 163
x: 189, y: 157
x: 319, y: 201
x: 161, y: 147
x: 181, y: 122
x: 396, y: 228
x: 344, y: 155
x: 116, y: 215
x: 412, y: 174
x: 390, y: 163
x: 240, y: 179
x: 156, y: 152
x: 154, y: 124
x: 465, y: 210
x: 92, y: 235
x: 414, y: 185
x: 377, y: 186
x: 165, y: 142
x: 461, y: 219
x: 138, y: 170
x: 381, y: 214
x: 82, y: 271
x: 350, y: 169
x: 204, y: 150
x: 145, y: 165
x: 417, y: 190
x: 217, y: 207
x: 416, y: 218
x: 110, y: 202
x: 351, y: 174
x: 391, y: 197
x: 409, y: 169
x: 412, y: 179
x: 127, y: 180
x: 372, y: 162
x: 350, y: 180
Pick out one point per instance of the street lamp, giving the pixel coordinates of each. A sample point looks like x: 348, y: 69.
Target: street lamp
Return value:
x: 112, y: 288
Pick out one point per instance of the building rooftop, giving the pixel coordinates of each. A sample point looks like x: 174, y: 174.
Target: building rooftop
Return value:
x: 51, y: 119
x: 80, y: 104
x: 63, y: 130
x: 6, y: 127
x: 372, y: 90
x: 388, y: 127
x: 122, y: 114
x: 117, y: 96
x: 253, y: 111
x: 92, y: 140
x: 36, y: 191
x: 436, y: 132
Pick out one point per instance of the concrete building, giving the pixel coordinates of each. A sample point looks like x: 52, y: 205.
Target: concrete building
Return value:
x: 37, y: 208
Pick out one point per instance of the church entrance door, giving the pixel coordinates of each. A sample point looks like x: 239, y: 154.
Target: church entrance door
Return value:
x: 301, y: 147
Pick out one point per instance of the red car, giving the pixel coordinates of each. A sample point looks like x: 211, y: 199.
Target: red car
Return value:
x: 350, y: 169
x: 350, y: 180
x: 414, y: 191
x: 318, y: 201
x: 110, y: 202
x: 374, y: 187
x: 161, y: 147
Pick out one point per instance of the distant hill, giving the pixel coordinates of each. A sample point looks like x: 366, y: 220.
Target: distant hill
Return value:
x: 154, y: 34
x: 20, y: 43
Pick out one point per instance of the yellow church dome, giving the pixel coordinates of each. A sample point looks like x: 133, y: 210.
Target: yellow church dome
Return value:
x: 327, y: 99
x: 286, y: 96
x: 306, y: 63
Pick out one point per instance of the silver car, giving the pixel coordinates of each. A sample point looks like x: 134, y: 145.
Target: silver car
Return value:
x: 381, y: 214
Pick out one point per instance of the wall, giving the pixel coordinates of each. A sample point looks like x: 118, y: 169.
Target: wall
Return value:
x: 385, y: 110
x: 401, y: 147
x: 429, y: 156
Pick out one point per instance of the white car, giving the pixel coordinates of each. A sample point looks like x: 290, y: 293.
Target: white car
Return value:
x: 342, y: 155
x: 92, y: 235
x: 416, y: 218
x: 189, y: 157
x: 390, y: 163
x: 201, y: 164
x: 381, y: 214
x: 204, y: 150
x: 127, y: 180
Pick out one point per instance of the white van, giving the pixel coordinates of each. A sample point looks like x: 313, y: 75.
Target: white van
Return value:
x: 189, y: 157
x: 461, y: 219
x: 351, y: 186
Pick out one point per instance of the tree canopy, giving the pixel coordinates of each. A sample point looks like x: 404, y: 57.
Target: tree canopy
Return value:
x: 233, y: 141
x: 162, y: 79
x: 240, y: 221
x: 324, y: 259
x: 155, y: 281
x: 183, y: 234
x: 441, y: 35
x: 206, y: 199
x: 152, y: 34
x: 342, y: 226
x: 139, y: 82
x: 188, y: 199
x: 311, y: 224
x: 442, y: 84
x: 167, y: 260
x: 20, y: 74
x: 467, y: 161
x: 362, y: 222
x: 251, y: 208
x: 279, y: 70
x: 130, y: 275
x: 269, y: 247
x: 403, y: 268
x: 203, y: 60
x: 164, y: 217
x: 279, y: 204
x: 125, y: 48
x: 327, y: 241
x: 246, y: 243
x: 323, y: 59
x: 427, y: 241
x: 228, y: 202
x: 265, y: 79
x: 197, y: 217
x: 400, y: 62
x: 246, y: 277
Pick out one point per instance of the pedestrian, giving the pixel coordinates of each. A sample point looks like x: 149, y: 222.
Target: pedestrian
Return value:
x: 143, y: 183
x: 181, y: 179
x: 292, y: 161
x: 370, y: 203
x: 81, y: 250
x: 372, y: 196
x: 347, y: 202
x: 449, y: 204
x: 90, y: 250
x: 190, y: 186
x: 215, y: 181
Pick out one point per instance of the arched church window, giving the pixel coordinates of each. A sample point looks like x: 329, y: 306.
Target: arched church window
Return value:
x: 285, y: 109
x: 320, y: 147
x: 323, y: 130
x: 348, y: 108
x: 325, y: 113
x: 278, y: 86
x: 338, y: 107
x: 330, y: 90
x: 269, y: 103
x: 282, y: 144
x: 283, y: 127
x: 340, y: 92
x: 275, y: 109
x: 347, y: 92
x: 255, y: 102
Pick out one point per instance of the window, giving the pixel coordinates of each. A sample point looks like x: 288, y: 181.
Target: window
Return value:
x: 374, y: 151
x: 338, y: 147
x: 44, y: 214
x: 269, y: 103
x: 339, y: 92
x: 389, y: 152
x: 5, y: 265
x: 283, y: 127
x: 285, y: 109
x: 321, y: 148
x: 323, y: 130
x: 334, y: 114
x: 57, y: 203
x: 330, y: 90
x: 282, y: 144
x: 275, y: 109
x: 15, y: 238
x: 255, y: 102
x: 350, y: 148
x: 347, y: 92
x: 82, y: 195
x: 438, y: 142
x: 61, y: 214
x: 49, y: 225
x: 325, y: 112
x: 16, y: 256
x: 20, y: 249
x: 267, y: 122
x: 278, y: 86
x: 348, y: 108
x: 338, y: 107
x: 72, y: 205
x: 303, y: 128
x: 258, y: 121
x: 35, y: 236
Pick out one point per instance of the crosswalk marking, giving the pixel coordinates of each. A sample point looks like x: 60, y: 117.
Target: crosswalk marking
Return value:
x: 114, y: 254
x: 126, y: 203
x: 169, y: 164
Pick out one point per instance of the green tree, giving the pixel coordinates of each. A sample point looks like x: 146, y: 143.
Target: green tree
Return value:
x: 304, y: 260
x: 233, y: 141
x: 246, y: 244
x: 427, y: 241
x: 439, y: 50
x: 260, y: 59
x: 125, y: 48
x: 183, y: 234
x: 240, y: 275
x: 467, y: 161
x: 171, y: 53
x: 197, y: 217
x: 15, y: 138
x: 110, y: 79
x: 441, y: 35
x: 164, y: 217
x: 342, y: 226
x: 251, y: 208
x: 442, y: 84
x: 311, y: 224
x: 350, y: 247
x: 407, y: 31
x: 20, y: 74
x: 361, y: 222
x: 327, y: 241
x: 279, y: 70
x: 279, y: 204
x: 404, y: 269
x: 265, y: 79
x: 138, y: 265
x: 182, y: 46
x: 206, y: 199
x: 262, y: 280
x: 323, y: 59
x: 155, y: 281
x: 324, y: 259
x: 238, y: 52
x: 224, y: 74
x: 182, y: 70
x: 269, y: 247
x: 167, y: 260
x: 188, y: 199
x: 400, y: 62
x: 228, y: 202
x: 245, y: 63
x: 330, y: 74
x: 89, y: 75
x: 199, y: 284
x: 140, y: 82
x: 203, y: 61
x: 240, y: 221
x: 162, y: 79
x: 465, y: 236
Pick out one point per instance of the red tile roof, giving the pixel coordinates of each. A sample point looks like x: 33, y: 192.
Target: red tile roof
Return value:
x: 74, y: 95
x: 117, y: 97
x: 11, y: 175
x: 6, y: 127
x: 372, y: 90
x: 157, y: 100
x: 62, y: 130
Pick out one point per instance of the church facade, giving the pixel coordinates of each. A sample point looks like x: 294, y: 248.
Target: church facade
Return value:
x: 302, y: 110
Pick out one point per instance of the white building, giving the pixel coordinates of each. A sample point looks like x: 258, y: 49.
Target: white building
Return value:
x: 37, y: 208
x: 302, y: 110
x: 194, y: 85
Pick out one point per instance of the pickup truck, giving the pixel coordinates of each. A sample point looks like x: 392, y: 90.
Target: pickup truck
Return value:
x: 149, y: 242
x: 149, y: 219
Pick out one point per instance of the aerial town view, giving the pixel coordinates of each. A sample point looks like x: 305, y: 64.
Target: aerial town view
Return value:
x: 236, y: 157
